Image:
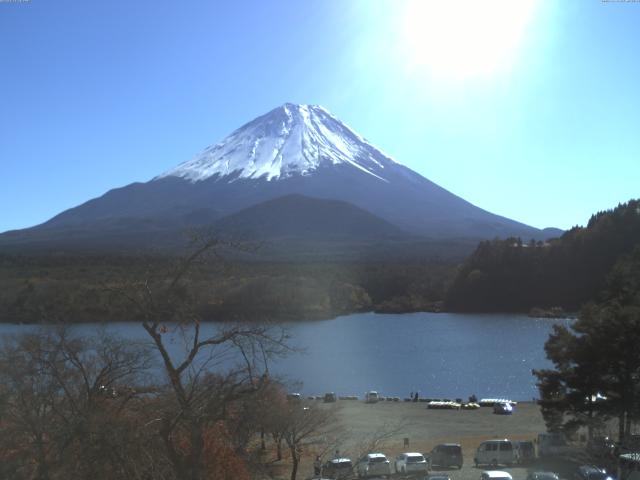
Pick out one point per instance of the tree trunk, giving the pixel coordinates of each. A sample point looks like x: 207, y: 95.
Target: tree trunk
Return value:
x: 295, y: 461
x: 278, y: 439
x: 42, y: 471
x: 175, y: 458
x: 197, y: 445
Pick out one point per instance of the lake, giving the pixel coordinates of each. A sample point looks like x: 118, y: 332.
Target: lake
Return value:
x: 439, y: 355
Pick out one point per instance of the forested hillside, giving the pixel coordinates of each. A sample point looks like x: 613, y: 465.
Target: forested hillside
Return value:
x: 516, y: 275
x: 79, y: 288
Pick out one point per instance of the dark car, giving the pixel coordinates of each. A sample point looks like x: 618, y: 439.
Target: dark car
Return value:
x: 338, y: 468
x: 527, y: 451
x: 330, y: 397
x: 601, y: 447
x: 590, y: 472
x: 446, y: 455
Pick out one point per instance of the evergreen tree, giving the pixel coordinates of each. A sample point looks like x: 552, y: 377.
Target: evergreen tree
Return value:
x: 597, y: 359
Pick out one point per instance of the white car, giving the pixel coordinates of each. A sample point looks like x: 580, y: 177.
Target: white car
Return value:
x: 411, y: 462
x: 495, y: 475
x: 373, y: 464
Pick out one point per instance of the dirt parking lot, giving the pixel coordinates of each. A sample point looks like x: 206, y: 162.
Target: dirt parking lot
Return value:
x: 425, y: 428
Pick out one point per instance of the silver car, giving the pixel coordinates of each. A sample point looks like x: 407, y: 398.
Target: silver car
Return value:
x: 373, y: 464
x: 543, y: 476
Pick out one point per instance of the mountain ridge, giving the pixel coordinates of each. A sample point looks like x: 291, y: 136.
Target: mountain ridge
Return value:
x: 293, y: 149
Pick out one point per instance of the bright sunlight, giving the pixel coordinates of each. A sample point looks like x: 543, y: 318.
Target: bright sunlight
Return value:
x: 463, y: 38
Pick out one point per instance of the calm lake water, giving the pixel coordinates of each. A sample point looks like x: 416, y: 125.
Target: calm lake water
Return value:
x: 438, y: 355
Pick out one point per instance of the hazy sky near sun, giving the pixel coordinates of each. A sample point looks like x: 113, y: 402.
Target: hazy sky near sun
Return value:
x: 530, y: 110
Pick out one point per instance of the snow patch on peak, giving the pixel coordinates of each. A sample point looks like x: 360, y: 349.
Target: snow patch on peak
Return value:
x: 289, y: 140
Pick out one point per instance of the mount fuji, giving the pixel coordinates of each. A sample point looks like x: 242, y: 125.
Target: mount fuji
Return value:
x: 294, y: 152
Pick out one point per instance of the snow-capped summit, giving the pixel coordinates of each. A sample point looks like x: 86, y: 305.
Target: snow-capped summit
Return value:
x: 289, y: 140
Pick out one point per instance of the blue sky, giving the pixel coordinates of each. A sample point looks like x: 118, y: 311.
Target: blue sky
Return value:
x: 540, y: 124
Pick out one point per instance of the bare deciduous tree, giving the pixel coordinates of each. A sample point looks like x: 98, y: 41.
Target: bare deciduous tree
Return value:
x: 196, y: 399
x: 66, y: 405
x: 304, y: 424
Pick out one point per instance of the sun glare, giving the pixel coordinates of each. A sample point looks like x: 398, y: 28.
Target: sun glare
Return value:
x: 463, y: 38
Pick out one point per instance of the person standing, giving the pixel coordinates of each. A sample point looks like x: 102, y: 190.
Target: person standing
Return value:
x: 317, y: 466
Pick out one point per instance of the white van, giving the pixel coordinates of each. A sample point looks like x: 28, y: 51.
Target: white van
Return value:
x: 371, y: 397
x: 497, y: 452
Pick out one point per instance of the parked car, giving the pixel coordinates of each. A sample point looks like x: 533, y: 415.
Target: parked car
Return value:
x: 446, y: 455
x: 631, y: 444
x: 495, y: 475
x: 437, y: 476
x: 338, y: 468
x: 591, y: 472
x: 527, y: 451
x: 373, y: 464
x: 552, y: 444
x: 411, y: 462
x: 330, y: 397
x: 371, y: 397
x: 601, y: 447
x: 503, y: 408
x: 543, y: 476
x: 497, y: 452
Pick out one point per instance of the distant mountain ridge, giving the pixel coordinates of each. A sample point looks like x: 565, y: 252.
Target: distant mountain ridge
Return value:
x: 294, y: 149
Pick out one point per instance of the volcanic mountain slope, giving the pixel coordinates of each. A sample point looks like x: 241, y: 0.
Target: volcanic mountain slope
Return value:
x: 294, y: 149
x: 301, y: 218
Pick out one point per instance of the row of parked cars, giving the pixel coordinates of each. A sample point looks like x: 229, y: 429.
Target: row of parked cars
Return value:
x: 445, y: 455
x: 377, y: 464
